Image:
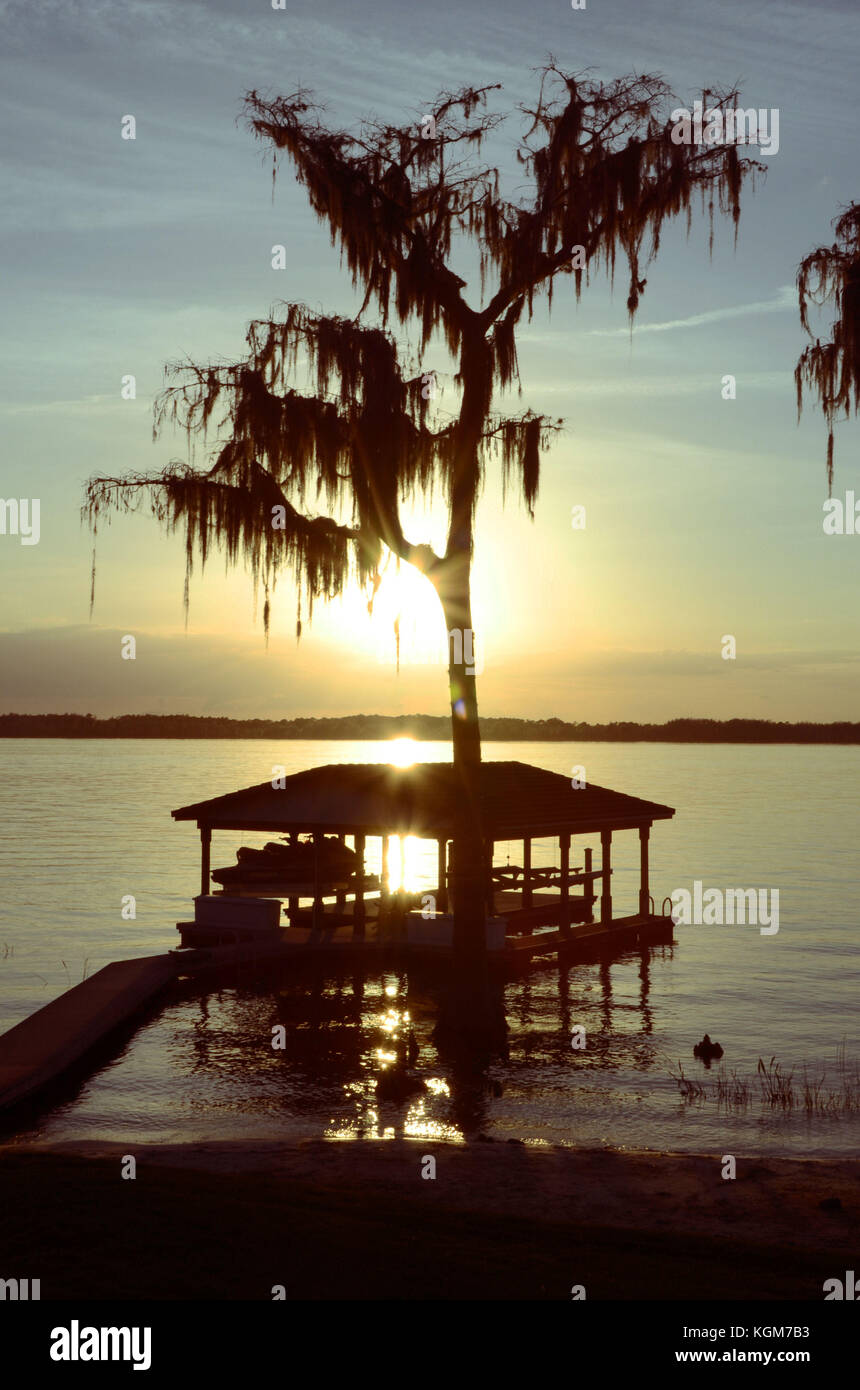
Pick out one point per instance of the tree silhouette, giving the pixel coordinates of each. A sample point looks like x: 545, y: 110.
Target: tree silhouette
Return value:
x: 403, y: 204
x: 832, y: 369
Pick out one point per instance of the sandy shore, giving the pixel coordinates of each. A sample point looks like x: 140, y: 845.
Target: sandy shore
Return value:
x: 499, y: 1220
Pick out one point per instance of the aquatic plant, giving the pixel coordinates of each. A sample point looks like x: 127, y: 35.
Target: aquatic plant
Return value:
x: 812, y: 1092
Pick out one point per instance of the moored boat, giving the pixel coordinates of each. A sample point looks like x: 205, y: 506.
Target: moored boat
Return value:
x: 290, y: 863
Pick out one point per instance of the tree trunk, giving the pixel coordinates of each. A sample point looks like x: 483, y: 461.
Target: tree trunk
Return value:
x: 468, y: 877
x: 469, y: 994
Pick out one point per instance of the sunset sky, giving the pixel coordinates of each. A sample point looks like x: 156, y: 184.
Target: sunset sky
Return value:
x: 704, y: 516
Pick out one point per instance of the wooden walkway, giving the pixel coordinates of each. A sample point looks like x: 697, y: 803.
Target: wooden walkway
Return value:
x: 46, y: 1044
x: 40, y: 1049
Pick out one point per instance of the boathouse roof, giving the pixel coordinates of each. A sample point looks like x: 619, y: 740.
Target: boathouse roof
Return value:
x: 378, y: 798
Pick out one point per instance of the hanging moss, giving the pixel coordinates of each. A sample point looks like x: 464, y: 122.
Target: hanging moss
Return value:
x: 333, y: 457
x: 831, y: 274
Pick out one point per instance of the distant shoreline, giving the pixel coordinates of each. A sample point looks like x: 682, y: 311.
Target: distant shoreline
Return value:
x: 423, y: 728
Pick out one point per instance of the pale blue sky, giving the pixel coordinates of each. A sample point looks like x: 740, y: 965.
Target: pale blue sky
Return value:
x: 704, y: 516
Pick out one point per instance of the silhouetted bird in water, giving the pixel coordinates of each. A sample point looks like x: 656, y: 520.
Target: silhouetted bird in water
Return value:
x: 706, y: 1050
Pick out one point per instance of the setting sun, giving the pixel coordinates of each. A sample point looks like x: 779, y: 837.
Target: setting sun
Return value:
x: 402, y: 752
x: 407, y: 603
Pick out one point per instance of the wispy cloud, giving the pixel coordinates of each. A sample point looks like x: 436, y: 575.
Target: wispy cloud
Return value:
x: 87, y: 405
x: 667, y: 384
x: 786, y: 298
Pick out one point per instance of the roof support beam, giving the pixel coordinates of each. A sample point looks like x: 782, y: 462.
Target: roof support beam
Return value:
x: 205, y: 852
x: 564, y: 846
x: 442, y: 876
x: 318, y: 906
x: 606, y: 866
x: 340, y: 893
x: 644, y: 892
x: 358, y: 911
x: 385, y: 890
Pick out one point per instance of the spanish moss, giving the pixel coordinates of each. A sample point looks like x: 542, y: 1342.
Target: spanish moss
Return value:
x: 831, y: 370
x: 322, y: 430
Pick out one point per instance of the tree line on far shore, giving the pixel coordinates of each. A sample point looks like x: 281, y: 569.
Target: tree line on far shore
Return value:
x: 422, y: 726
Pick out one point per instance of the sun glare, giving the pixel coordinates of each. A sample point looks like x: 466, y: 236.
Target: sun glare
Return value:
x: 401, y: 752
x: 404, y: 863
x: 409, y: 600
x: 405, y: 601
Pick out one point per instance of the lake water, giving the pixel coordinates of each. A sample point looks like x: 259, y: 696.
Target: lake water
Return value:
x: 88, y: 822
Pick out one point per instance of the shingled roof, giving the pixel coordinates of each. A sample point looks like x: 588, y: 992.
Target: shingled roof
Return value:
x: 377, y: 798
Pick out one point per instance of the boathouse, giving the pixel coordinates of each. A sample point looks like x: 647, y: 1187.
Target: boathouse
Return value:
x: 348, y: 804
x: 342, y: 912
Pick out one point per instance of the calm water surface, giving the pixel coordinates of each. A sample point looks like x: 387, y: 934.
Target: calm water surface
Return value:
x: 88, y: 822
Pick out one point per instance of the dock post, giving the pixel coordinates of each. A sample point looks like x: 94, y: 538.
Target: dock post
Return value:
x: 317, y: 913
x: 564, y: 845
x: 358, y: 912
x: 589, y: 887
x: 644, y: 892
x: 442, y: 886
x: 527, y: 871
x: 488, y: 862
x: 385, y: 888
x: 205, y: 847
x: 606, y: 866
x: 340, y: 893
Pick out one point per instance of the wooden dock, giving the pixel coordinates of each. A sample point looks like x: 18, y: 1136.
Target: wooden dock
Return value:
x: 364, y: 919
x: 623, y: 933
x: 333, y: 940
x: 39, y: 1050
